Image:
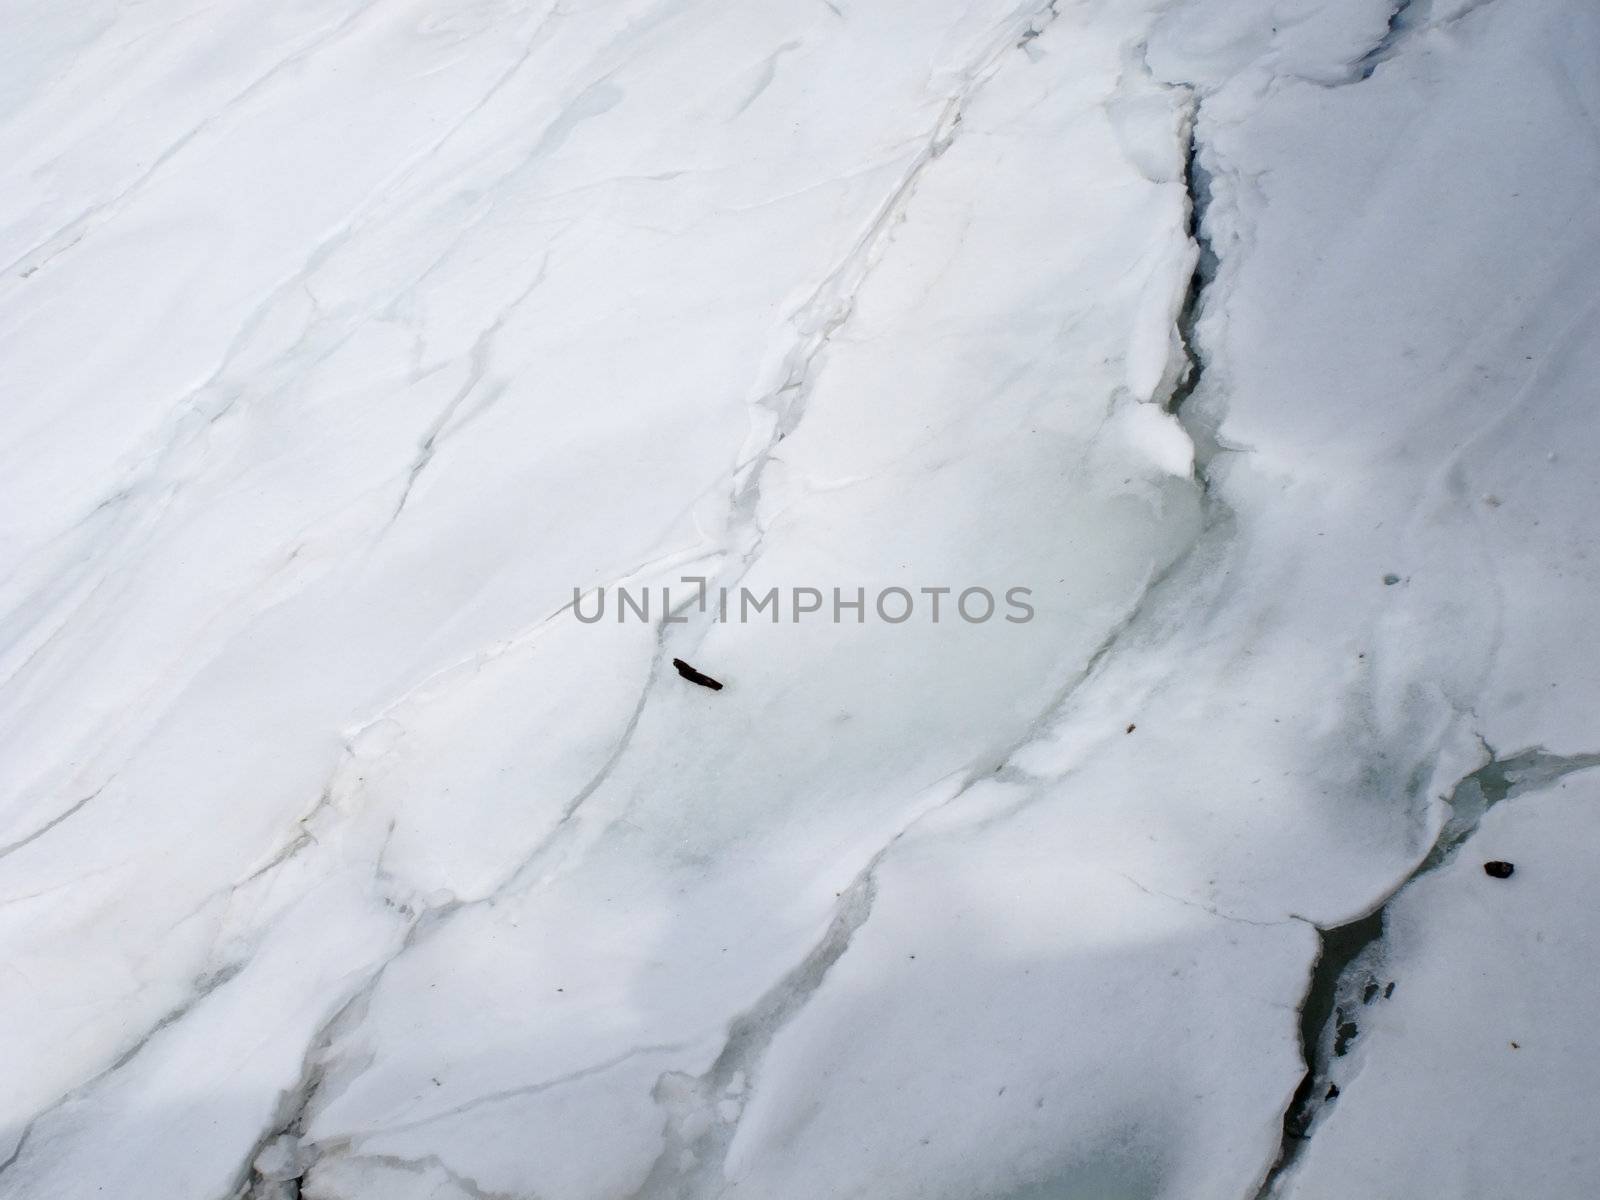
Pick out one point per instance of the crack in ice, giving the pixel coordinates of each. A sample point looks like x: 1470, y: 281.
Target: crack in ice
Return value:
x: 1326, y: 1030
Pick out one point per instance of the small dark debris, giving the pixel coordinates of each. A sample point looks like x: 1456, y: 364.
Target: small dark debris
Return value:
x: 1370, y: 992
x: 1390, y: 580
x: 1515, y: 1046
x: 694, y: 676
x: 1333, y: 1091
x: 1130, y: 729
x: 1498, y: 870
x: 1388, y: 991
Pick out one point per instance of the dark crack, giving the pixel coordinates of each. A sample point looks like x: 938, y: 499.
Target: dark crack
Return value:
x: 1348, y: 975
x: 1199, y: 426
x: 479, y: 358
x: 38, y: 833
x: 1400, y: 23
x: 297, y: 1105
x: 1408, y: 18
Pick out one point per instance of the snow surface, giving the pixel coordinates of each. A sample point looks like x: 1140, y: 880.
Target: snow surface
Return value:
x: 1470, y: 1054
x: 341, y: 342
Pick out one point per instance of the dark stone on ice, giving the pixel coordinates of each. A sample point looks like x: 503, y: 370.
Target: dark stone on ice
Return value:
x: 694, y: 676
x: 1498, y: 869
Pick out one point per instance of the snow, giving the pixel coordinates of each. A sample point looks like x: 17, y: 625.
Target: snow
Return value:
x: 1480, y: 1046
x: 343, y: 347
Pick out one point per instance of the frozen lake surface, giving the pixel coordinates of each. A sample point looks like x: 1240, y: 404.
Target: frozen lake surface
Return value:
x: 355, y: 354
